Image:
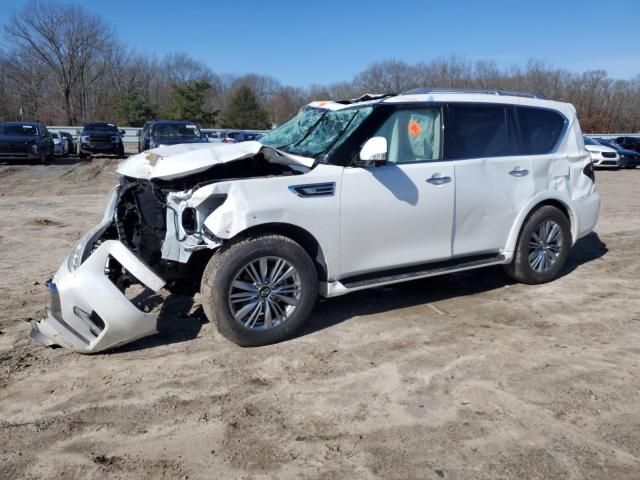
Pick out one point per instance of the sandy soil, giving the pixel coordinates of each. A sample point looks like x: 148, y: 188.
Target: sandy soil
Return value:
x: 463, y: 376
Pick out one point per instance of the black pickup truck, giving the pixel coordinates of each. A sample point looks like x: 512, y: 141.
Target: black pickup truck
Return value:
x: 101, y: 138
x: 25, y: 141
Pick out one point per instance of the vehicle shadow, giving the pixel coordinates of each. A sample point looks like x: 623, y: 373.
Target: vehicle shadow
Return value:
x: 70, y: 160
x: 177, y: 325
x: 330, y: 312
x: 58, y: 161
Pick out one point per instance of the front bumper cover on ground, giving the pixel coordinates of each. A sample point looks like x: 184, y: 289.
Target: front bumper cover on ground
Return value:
x: 88, y: 312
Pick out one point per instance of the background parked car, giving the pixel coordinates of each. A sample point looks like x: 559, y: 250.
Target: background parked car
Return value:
x: 171, y: 132
x: 60, y: 147
x: 29, y: 141
x: 601, y: 156
x: 215, y: 137
x: 249, y: 136
x: 628, y: 158
x: 142, y: 134
x: 103, y: 138
x: 630, y: 143
x: 71, y: 142
x: 232, y: 137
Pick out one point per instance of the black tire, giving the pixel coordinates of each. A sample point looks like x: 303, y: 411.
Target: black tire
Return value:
x: 520, y: 268
x: 46, y: 159
x: 227, y: 262
x: 83, y: 155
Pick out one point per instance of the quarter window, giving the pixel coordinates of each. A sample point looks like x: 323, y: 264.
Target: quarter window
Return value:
x: 412, y: 135
x: 476, y: 131
x: 539, y: 130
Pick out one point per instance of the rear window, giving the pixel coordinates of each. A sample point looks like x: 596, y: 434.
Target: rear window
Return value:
x: 476, y: 131
x: 540, y: 130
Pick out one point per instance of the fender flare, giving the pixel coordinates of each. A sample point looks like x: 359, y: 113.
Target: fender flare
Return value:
x: 543, y: 198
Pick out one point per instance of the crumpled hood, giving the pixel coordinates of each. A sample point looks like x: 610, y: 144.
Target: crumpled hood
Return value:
x: 177, y: 161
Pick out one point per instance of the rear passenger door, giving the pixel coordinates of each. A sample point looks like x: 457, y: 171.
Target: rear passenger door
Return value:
x: 493, y: 183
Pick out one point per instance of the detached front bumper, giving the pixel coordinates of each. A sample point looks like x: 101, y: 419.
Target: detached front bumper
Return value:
x: 88, y: 312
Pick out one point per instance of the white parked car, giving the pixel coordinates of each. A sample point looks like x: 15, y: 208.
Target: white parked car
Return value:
x: 601, y: 155
x: 345, y: 196
x: 60, y: 145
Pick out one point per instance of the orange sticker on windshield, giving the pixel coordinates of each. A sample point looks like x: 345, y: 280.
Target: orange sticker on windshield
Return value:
x: 414, y: 128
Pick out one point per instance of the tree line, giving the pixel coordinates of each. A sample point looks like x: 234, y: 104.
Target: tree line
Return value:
x: 61, y: 64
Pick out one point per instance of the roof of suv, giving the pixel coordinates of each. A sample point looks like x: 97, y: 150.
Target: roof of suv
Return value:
x: 450, y: 95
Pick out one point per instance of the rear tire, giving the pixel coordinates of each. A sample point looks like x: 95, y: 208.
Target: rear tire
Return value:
x: 542, y: 248
x: 241, y: 293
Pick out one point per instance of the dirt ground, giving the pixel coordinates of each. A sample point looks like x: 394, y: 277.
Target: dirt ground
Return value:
x: 464, y: 376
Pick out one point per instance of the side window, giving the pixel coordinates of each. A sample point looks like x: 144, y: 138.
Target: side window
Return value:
x: 539, y: 130
x: 476, y: 131
x: 412, y: 135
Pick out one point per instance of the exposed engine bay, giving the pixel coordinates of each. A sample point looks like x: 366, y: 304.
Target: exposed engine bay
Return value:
x: 151, y: 220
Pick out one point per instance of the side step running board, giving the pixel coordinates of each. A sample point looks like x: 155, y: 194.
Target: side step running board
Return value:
x: 421, y: 271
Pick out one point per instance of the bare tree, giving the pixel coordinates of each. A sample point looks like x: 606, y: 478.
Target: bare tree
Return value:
x: 65, y: 38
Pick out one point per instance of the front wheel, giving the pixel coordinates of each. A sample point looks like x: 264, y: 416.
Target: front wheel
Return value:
x: 259, y: 290
x: 543, y: 247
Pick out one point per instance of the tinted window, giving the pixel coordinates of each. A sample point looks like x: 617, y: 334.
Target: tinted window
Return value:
x: 539, y: 130
x: 476, y: 131
x: 412, y: 135
x: 19, y: 129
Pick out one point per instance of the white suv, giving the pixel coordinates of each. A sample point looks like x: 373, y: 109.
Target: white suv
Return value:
x: 345, y: 196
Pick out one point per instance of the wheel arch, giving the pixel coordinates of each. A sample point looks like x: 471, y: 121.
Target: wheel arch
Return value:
x: 299, y: 235
x: 536, y: 203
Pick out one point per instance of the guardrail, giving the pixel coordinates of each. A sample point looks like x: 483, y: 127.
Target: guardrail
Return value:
x: 132, y: 134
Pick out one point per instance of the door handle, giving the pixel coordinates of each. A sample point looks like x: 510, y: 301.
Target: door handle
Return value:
x: 519, y: 172
x: 438, y: 179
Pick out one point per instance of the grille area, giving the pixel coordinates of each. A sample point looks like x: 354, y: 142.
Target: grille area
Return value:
x: 608, y: 154
x: 100, y: 139
x: 13, y: 147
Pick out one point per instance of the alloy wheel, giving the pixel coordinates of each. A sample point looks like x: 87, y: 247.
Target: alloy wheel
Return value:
x: 264, y: 293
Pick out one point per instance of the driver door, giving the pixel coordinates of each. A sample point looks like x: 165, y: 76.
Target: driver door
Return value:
x: 401, y: 213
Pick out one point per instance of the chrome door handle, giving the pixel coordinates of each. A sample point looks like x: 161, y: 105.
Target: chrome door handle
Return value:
x: 519, y: 172
x: 438, y: 180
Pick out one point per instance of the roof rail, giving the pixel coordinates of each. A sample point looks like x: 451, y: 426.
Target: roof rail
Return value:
x: 422, y: 91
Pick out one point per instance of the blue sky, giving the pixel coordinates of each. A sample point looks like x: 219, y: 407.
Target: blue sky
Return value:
x: 322, y: 41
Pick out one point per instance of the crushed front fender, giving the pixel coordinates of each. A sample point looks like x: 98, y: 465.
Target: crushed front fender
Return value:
x: 88, y: 312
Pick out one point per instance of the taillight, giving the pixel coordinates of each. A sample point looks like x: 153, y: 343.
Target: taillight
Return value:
x: 588, y: 171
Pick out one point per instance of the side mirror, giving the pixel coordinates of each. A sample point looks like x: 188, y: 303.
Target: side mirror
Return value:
x: 122, y: 132
x: 373, y: 153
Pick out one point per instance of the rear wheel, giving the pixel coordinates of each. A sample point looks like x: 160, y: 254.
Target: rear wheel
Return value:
x: 259, y: 290
x: 542, y: 247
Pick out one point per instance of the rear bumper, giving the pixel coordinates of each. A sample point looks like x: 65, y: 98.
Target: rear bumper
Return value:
x: 587, y: 210
x: 88, y: 313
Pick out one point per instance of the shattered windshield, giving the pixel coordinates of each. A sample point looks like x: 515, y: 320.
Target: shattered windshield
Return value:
x: 176, y: 130
x: 294, y: 130
x: 314, y: 131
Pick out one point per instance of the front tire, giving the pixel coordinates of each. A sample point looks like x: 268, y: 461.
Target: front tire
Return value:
x: 543, y: 247
x: 259, y: 290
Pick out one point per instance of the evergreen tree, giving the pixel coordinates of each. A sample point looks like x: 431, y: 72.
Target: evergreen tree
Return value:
x: 189, y: 100
x: 243, y: 111
x: 133, y: 111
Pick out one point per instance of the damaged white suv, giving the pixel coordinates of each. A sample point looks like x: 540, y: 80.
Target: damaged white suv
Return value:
x: 345, y: 196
